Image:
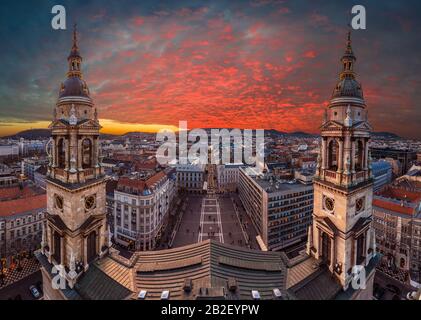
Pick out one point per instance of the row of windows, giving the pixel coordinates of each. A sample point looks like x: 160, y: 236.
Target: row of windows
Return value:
x: 23, y: 231
x: 22, y: 221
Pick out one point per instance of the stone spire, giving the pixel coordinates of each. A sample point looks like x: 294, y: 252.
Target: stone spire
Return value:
x: 348, y: 60
x: 348, y: 86
x: 74, y: 58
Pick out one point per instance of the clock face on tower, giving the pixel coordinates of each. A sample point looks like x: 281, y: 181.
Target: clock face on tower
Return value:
x: 329, y: 204
x: 90, y: 202
x: 359, y: 204
x: 58, y: 202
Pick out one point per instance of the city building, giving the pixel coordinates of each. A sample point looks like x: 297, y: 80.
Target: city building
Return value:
x: 227, y: 177
x: 397, y: 222
x: 40, y: 176
x: 382, y: 172
x: 405, y: 156
x: 280, y: 210
x: 9, y: 151
x: 7, y: 178
x: 190, y: 178
x: 21, y: 218
x: 31, y: 165
x: 141, y: 208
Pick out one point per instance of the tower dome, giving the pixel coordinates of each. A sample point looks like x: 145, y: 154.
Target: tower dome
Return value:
x: 74, y: 85
x: 347, y: 85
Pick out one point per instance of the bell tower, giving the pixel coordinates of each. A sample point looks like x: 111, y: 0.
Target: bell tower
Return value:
x: 341, y: 236
x: 75, y: 233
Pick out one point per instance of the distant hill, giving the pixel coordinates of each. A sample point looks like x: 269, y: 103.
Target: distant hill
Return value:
x: 31, y: 134
x: 273, y: 132
x: 386, y: 135
x: 302, y: 134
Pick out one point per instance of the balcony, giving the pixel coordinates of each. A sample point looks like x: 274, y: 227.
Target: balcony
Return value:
x: 60, y: 172
x: 89, y: 173
x: 330, y: 176
x: 128, y: 233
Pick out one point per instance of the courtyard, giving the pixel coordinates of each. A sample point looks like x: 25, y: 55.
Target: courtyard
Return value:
x: 215, y: 217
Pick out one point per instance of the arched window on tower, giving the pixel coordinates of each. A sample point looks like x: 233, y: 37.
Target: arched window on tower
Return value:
x: 86, y: 153
x: 359, y: 155
x: 333, y: 155
x: 61, y: 153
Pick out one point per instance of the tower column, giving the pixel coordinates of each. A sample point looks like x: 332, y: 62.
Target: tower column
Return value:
x: 353, y: 156
x: 54, y: 152
x: 79, y: 154
x: 323, y: 153
x: 341, y: 151
x: 67, y: 153
x: 366, y: 154
x: 73, y: 151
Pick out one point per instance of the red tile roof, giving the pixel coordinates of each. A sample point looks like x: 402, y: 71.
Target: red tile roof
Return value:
x: 16, y: 192
x: 139, y: 184
x: 12, y: 207
x: 395, y: 207
x: 400, y: 194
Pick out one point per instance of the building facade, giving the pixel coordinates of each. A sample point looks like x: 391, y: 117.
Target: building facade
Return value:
x: 21, y: 221
x: 228, y: 177
x: 281, y: 211
x: 382, y: 173
x: 397, y: 222
x: 31, y: 165
x: 405, y: 157
x: 141, y: 209
x: 190, y: 178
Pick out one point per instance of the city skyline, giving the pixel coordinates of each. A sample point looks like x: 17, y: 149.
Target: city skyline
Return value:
x: 266, y: 64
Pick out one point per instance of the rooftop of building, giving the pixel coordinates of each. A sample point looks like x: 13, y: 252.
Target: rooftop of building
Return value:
x: 271, y: 184
x: 205, y: 270
x: 380, y: 165
x: 19, y: 192
x: 308, y: 279
x: 24, y: 205
x: 141, y: 183
x: 190, y: 167
x: 397, y: 199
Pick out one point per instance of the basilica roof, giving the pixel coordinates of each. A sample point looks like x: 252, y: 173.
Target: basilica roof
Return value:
x: 74, y: 86
x: 348, y: 87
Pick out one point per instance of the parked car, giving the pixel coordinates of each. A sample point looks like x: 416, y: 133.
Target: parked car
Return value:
x: 34, y: 291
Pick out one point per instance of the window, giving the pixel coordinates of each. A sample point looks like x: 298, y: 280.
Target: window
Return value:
x: 61, y: 154
x: 86, y: 153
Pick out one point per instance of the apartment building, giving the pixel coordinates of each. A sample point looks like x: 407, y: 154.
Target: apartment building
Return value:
x: 190, y: 177
x: 22, y: 213
x: 228, y: 176
x: 281, y: 210
x: 397, y: 222
x: 142, y: 205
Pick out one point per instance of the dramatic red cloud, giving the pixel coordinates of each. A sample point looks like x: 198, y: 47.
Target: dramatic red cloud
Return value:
x: 218, y: 72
